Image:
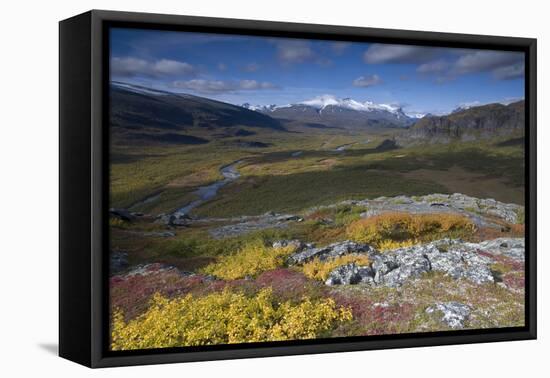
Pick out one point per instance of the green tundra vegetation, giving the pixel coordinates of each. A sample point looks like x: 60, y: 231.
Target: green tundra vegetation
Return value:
x: 274, y: 180
x: 256, y: 295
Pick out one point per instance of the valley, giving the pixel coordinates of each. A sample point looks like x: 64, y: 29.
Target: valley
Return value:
x: 376, y: 221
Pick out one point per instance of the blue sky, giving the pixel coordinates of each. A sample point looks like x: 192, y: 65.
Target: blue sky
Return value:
x: 262, y: 70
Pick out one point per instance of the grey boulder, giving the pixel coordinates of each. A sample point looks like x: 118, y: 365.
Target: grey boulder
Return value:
x: 453, y: 314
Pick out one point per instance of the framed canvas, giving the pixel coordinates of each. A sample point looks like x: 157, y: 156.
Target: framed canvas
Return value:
x: 234, y: 188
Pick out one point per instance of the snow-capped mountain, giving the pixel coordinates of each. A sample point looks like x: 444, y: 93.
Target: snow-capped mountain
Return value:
x: 462, y: 108
x: 417, y: 115
x: 335, y: 112
x: 324, y: 101
x: 260, y: 108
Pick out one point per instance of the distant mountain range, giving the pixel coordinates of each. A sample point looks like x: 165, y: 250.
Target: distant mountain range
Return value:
x: 142, y: 115
x: 341, y: 113
x: 478, y: 122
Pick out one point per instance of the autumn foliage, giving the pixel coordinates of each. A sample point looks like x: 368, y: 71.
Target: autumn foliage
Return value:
x: 225, y: 318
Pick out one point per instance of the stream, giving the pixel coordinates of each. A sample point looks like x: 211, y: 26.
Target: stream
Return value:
x: 207, y: 192
x: 343, y: 147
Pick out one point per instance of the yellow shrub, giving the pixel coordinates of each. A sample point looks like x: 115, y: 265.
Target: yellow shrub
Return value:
x: 405, y: 228
x: 117, y: 222
x: 224, y: 318
x: 250, y: 260
x: 388, y: 244
x: 320, y: 270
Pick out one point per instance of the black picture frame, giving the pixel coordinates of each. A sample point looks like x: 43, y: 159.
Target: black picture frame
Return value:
x: 83, y: 196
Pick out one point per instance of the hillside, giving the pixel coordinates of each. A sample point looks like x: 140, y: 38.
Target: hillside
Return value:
x: 479, y: 122
x: 142, y: 115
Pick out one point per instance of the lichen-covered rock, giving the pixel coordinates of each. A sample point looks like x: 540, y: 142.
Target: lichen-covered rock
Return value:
x: 510, y: 247
x: 175, y: 219
x: 154, y: 268
x: 247, y: 224
x: 455, y: 258
x: 297, y: 244
x: 480, y: 211
x: 329, y: 252
x: 394, y: 270
x: 453, y: 314
x: 350, y: 274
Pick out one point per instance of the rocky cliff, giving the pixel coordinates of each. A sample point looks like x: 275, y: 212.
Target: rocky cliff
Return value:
x: 480, y: 122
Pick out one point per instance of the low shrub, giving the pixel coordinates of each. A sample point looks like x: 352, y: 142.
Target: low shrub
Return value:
x: 520, y: 219
x: 396, y: 229
x: 345, y: 214
x: 319, y: 270
x: 118, y: 223
x: 251, y: 259
x: 224, y: 318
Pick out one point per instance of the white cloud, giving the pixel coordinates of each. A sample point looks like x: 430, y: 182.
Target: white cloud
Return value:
x: 338, y: 48
x: 130, y: 66
x: 384, y: 53
x: 367, y: 81
x: 447, y: 63
x: 513, y: 71
x: 221, y: 86
x: 435, y: 66
x: 482, y: 61
x: 290, y: 51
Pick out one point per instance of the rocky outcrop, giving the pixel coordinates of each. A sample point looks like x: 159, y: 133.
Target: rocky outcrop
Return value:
x: 512, y: 248
x: 247, y: 224
x: 351, y: 274
x: 154, y: 268
x: 329, y: 252
x: 174, y: 220
x: 297, y: 244
x: 455, y: 258
x: 122, y: 214
x: 482, y: 212
x: 118, y: 261
x: 453, y: 314
x: 470, y: 124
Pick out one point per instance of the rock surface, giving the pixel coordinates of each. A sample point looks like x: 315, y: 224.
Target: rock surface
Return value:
x: 351, y: 274
x: 123, y: 214
x: 248, y: 224
x: 119, y: 261
x: 175, y: 220
x: 455, y: 258
x: 513, y: 248
x: 480, y: 211
x: 297, y: 244
x: 454, y: 314
x: 329, y: 252
x: 485, y: 121
x: 154, y: 268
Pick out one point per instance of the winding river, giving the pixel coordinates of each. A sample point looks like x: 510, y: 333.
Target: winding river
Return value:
x: 207, y: 192
x: 343, y: 147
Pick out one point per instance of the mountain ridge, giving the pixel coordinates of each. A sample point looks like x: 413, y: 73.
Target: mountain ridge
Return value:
x: 144, y: 114
x: 482, y: 121
x: 336, y: 112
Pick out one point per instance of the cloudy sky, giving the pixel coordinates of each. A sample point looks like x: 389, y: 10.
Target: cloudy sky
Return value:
x: 263, y: 71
